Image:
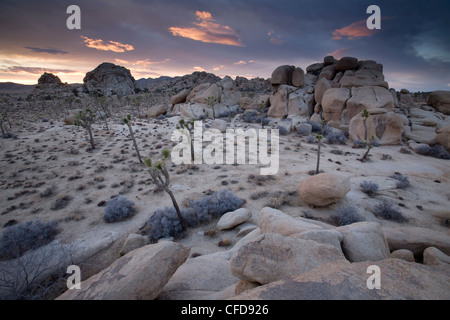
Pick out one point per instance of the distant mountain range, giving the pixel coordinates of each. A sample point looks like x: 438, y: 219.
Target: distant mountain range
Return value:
x: 143, y: 83
x: 11, y: 87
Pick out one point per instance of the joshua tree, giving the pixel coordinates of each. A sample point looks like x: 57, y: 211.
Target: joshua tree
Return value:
x: 319, y: 138
x: 189, y: 126
x: 160, y: 177
x: 3, y: 118
x: 85, y: 119
x: 369, y: 144
x: 127, y: 121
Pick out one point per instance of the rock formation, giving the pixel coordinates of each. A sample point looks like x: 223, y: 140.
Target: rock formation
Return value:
x: 110, y: 79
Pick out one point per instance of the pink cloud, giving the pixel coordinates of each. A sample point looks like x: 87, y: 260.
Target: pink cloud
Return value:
x: 103, y: 45
x: 208, y: 31
x: 355, y: 30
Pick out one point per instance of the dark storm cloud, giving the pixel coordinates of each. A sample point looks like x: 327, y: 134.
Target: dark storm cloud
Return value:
x: 46, y: 50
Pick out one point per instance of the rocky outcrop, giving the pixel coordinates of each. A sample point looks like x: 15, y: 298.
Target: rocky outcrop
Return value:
x: 342, y: 280
x: 440, y: 100
x: 386, y: 127
x: 109, y: 79
x: 49, y: 84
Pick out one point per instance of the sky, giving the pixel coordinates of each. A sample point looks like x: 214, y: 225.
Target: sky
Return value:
x: 248, y: 38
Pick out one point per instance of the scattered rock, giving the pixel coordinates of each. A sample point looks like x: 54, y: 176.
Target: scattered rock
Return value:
x: 275, y: 221
x: 346, y: 63
x: 435, y: 257
x: 364, y: 241
x: 134, y: 241
x: 231, y: 219
x: 403, y: 254
x: 323, y: 189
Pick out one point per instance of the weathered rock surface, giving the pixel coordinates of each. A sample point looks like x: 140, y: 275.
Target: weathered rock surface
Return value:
x: 198, y: 278
x: 140, y: 274
x: 364, y: 241
x: 416, y: 239
x: 342, y: 280
x: 385, y: 127
x: 440, y: 100
x: 274, y: 257
x: 231, y: 219
x: 323, y: 189
x: 275, y: 221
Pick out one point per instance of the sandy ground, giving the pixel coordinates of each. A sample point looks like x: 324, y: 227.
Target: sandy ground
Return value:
x: 53, y: 155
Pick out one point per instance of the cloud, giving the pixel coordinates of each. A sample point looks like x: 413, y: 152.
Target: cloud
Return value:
x: 197, y: 68
x: 205, y: 30
x: 355, y: 30
x: 47, y: 50
x: 240, y: 63
x: 103, y: 45
x: 339, y: 53
x: 33, y: 70
x: 275, y: 38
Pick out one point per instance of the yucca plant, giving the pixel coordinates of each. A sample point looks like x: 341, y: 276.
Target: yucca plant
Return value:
x: 85, y: 118
x: 127, y: 121
x: 160, y: 176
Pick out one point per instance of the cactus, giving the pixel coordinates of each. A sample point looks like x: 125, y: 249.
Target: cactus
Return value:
x: 127, y: 121
x: 161, y: 178
x: 85, y: 119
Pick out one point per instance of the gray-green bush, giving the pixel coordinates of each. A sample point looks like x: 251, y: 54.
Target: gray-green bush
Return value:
x: 346, y: 215
x: 118, y: 209
x: 29, y: 235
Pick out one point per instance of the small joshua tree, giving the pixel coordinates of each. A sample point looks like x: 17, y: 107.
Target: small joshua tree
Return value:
x: 189, y: 126
x: 319, y: 138
x: 85, y: 118
x: 368, y: 144
x: 127, y: 121
x: 160, y: 177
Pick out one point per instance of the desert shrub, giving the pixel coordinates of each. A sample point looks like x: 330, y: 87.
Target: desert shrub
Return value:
x: 310, y: 139
x: 369, y: 187
x: 61, y: 203
x: 346, y: 215
x: 118, y: 209
x: 336, y: 137
x: 211, y: 206
x: 385, y: 210
x: 165, y: 223
x: 358, y: 144
x: 316, y: 127
x: 250, y: 117
x: 438, y: 152
x: 48, y: 191
x: 19, y: 238
x: 402, y: 181
x: 282, y: 130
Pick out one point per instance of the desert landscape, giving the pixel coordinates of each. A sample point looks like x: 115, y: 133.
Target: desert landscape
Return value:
x: 215, y: 156
x: 301, y: 233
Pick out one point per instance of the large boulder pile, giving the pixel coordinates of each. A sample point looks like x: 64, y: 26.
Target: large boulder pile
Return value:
x: 49, y: 84
x: 284, y: 258
x: 109, y: 79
